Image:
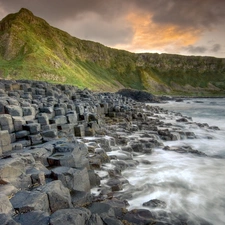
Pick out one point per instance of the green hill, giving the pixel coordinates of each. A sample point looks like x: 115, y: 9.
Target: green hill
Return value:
x: 32, y: 49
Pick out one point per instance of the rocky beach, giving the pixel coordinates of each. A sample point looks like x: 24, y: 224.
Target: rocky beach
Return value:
x: 64, y: 153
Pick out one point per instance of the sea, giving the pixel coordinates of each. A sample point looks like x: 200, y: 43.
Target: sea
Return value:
x: 189, y: 184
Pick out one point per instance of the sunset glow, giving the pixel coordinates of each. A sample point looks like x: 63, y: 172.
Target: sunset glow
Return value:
x: 193, y: 27
x: 149, y: 36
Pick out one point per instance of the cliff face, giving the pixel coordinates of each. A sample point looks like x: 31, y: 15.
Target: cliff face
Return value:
x: 31, y: 49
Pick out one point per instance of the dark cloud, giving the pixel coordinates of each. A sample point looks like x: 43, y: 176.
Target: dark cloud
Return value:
x: 203, y: 49
x: 194, y: 13
x: 56, y: 10
x: 195, y: 49
x: 107, y: 21
x: 97, y: 20
x: 216, y: 48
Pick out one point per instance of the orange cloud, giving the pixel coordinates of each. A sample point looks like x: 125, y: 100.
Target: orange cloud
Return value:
x: 149, y: 36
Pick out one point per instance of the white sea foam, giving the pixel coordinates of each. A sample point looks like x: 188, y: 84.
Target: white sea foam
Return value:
x: 186, y: 182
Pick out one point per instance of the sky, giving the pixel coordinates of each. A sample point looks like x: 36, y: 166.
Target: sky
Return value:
x: 186, y: 27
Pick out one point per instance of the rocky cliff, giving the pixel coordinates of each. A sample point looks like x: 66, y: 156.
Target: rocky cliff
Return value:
x: 32, y: 49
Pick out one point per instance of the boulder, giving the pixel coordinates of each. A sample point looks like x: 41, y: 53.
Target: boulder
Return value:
x: 102, y: 209
x: 5, y: 206
x: 33, y: 128
x: 25, y: 157
x: 58, y: 120
x: 112, y: 221
x: 75, y: 216
x: 26, y: 201
x: 33, y: 218
x: 71, y: 117
x: 6, y: 123
x: 74, y: 179
x: 59, y: 111
x: 22, y: 134
x: 81, y: 198
x: 155, y: 203
x: 8, y: 190
x: 48, y: 135
x: 35, y: 139
x: 28, y: 111
x: 41, y: 154
x: 7, y: 220
x: 70, y: 154
x: 58, y: 195
x: 95, y: 219
x: 139, y: 216
x: 79, y: 131
x: 14, y: 110
x: 18, y: 123
x: 94, y: 178
x: 11, y: 168
x: 5, y: 141
x: 43, y: 119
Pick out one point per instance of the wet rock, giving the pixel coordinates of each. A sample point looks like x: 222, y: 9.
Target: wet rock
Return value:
x: 81, y: 198
x: 155, y: 203
x: 214, y: 128
x: 145, y: 161
x: 95, y: 219
x: 102, y: 155
x: 112, y: 221
x: 184, y: 120
x: 139, y: 216
x: 115, y: 184
x: 102, y: 209
x: 124, y: 164
x: 184, y: 149
x: 119, y: 206
x: 94, y: 178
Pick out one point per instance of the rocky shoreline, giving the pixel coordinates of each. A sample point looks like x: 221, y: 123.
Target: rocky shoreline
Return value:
x: 63, y: 152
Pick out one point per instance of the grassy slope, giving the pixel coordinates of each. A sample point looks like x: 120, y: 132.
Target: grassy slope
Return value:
x: 31, y: 49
